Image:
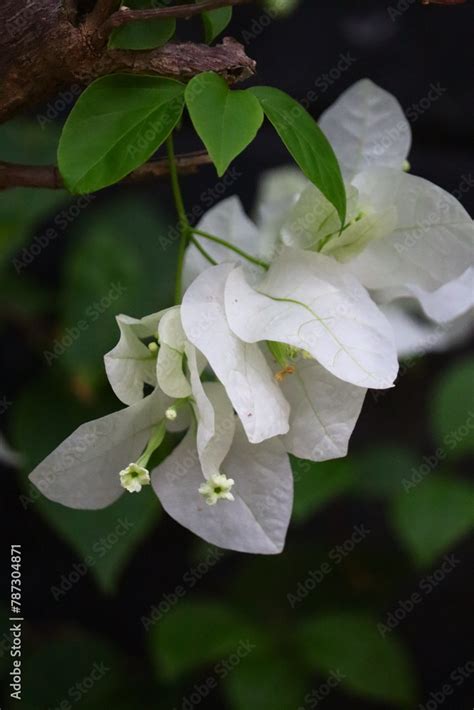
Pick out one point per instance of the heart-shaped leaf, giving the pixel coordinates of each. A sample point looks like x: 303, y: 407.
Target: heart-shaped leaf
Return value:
x: 306, y: 142
x: 115, y: 126
x: 145, y: 34
x: 226, y: 121
x: 215, y: 22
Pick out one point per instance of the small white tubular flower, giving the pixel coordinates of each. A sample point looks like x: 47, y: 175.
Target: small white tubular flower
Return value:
x: 171, y: 414
x: 134, y: 477
x: 83, y: 471
x: 217, y: 487
x: 257, y: 520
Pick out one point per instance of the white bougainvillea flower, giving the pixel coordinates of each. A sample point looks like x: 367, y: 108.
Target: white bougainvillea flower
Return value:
x: 313, y: 410
x: 278, y: 190
x: 311, y: 303
x: 101, y: 460
x: 366, y: 126
x: 257, y: 520
x: 240, y: 366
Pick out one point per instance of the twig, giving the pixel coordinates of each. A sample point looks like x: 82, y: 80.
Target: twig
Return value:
x: 48, y: 176
x: 123, y: 17
x: 101, y: 12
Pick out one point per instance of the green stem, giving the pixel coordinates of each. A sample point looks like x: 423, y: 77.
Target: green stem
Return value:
x: 184, y: 226
x: 201, y: 249
x: 228, y: 245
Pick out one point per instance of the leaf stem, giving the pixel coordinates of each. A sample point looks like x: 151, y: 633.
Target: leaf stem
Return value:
x: 184, y: 226
x: 201, y: 249
x: 228, y: 245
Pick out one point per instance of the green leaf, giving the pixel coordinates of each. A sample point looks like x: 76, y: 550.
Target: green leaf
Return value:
x: 21, y: 212
x: 433, y: 516
x: 145, y: 34
x: 452, y: 411
x: 306, y: 143
x: 215, y: 22
x: 116, y: 125
x: 226, y: 121
x: 196, y: 634
x: 87, y: 671
x: 266, y: 682
x: 104, y: 539
x: 382, y: 469
x: 316, y: 484
x: 350, y: 644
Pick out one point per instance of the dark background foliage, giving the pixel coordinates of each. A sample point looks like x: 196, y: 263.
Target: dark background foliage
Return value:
x: 89, y: 587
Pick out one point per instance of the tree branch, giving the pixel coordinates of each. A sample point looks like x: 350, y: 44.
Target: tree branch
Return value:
x: 42, y: 52
x: 123, y: 17
x: 48, y: 176
x: 103, y: 9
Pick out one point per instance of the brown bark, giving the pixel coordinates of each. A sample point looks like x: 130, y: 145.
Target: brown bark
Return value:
x: 42, y: 51
x: 48, y: 176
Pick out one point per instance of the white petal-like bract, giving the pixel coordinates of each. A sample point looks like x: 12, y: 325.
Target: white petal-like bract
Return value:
x: 432, y: 244
x: 324, y: 412
x: 130, y: 364
x: 257, y: 520
x: 366, y: 126
x: 83, y: 472
x: 240, y: 366
x: 311, y: 302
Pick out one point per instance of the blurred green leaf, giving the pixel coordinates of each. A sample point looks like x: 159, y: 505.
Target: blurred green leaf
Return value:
x: 197, y: 633
x: 106, y: 273
x: 349, y: 644
x: 306, y: 143
x: 104, y: 539
x: 27, y: 141
x: 266, y: 682
x: 452, y: 409
x: 21, y: 212
x: 433, y: 516
x: 76, y: 668
x: 215, y: 22
x: 225, y: 120
x: 116, y: 125
x: 316, y: 484
x: 381, y: 469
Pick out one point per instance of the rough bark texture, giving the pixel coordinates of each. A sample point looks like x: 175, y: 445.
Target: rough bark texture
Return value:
x: 48, y: 176
x: 43, y: 49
